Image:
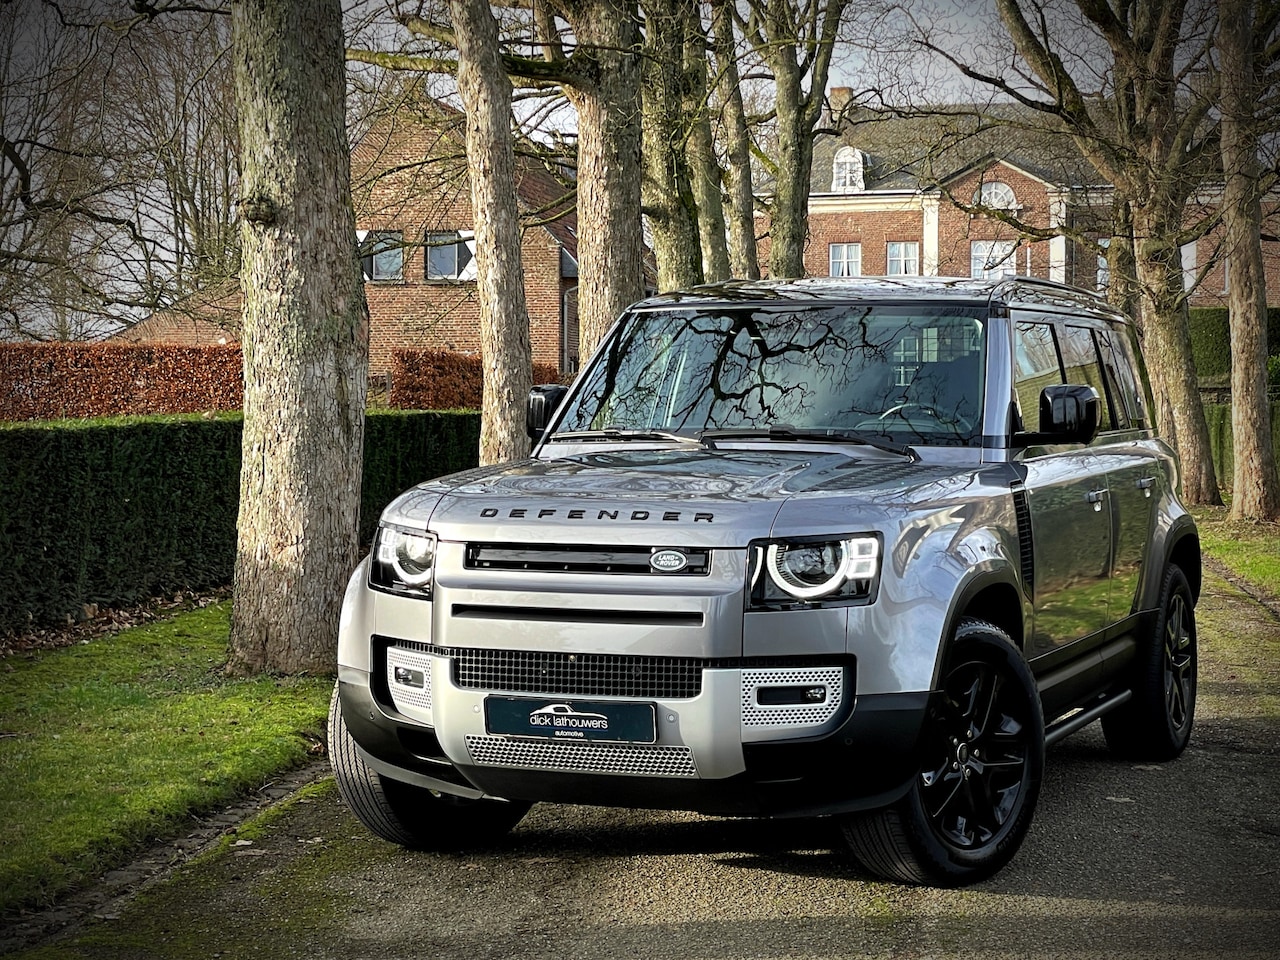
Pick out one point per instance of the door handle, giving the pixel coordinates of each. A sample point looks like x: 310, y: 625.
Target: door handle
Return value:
x: 1096, y: 497
x: 1145, y: 484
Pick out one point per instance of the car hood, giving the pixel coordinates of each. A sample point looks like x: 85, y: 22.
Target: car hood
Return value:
x: 697, y: 497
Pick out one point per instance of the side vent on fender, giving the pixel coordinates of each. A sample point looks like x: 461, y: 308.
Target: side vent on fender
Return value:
x: 1026, y: 557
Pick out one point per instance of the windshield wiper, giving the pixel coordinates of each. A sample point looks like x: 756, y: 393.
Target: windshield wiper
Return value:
x: 784, y: 431
x: 618, y: 433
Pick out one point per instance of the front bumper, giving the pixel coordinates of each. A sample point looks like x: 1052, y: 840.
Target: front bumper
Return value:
x: 713, y: 754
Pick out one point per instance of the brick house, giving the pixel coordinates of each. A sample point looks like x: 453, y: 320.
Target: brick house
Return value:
x: 416, y: 231
x: 886, y: 196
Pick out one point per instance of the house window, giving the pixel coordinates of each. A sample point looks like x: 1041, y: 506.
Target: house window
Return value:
x: 1190, y: 271
x: 846, y: 259
x: 996, y: 195
x: 1104, y: 266
x: 847, y: 172
x: 992, y: 258
x: 383, y: 256
x: 903, y: 259
x: 449, y: 255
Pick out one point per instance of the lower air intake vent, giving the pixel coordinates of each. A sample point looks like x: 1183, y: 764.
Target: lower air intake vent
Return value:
x: 638, y: 760
x: 759, y: 709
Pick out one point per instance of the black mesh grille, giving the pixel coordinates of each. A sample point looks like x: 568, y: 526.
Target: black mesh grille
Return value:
x: 579, y: 674
x: 569, y: 674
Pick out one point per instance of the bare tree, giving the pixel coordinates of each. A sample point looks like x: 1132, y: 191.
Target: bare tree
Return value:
x: 797, y: 41
x: 740, y: 194
x: 667, y: 192
x: 305, y: 338
x: 1245, y: 30
x: 504, y: 319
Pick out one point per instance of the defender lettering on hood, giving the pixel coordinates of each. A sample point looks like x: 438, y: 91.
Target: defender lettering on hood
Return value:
x: 545, y: 513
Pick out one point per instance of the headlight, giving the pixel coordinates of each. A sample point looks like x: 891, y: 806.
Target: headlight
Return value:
x: 814, y: 570
x: 403, y: 561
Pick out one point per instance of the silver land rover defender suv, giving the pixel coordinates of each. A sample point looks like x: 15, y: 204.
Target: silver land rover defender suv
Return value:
x: 853, y: 549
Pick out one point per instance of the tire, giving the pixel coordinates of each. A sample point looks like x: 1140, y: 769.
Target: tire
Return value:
x: 1156, y: 723
x: 410, y: 815
x: 981, y: 761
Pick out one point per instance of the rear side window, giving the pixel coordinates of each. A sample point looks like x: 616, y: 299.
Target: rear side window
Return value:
x: 1036, y: 366
x: 1122, y: 365
x: 1083, y: 364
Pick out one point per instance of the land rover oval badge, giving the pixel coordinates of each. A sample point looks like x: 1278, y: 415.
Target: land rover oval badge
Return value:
x: 668, y: 561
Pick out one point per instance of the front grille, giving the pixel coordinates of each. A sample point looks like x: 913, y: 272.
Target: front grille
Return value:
x: 582, y: 674
x: 578, y: 674
x: 642, y: 760
x: 582, y: 559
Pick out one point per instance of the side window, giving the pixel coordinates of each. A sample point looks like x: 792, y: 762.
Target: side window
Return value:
x: 1082, y: 364
x: 1035, y: 366
x: 1121, y: 356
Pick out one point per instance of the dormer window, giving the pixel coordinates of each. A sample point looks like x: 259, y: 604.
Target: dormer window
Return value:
x: 847, y: 171
x: 996, y: 195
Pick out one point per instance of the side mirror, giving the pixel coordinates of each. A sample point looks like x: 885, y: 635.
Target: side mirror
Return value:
x: 541, y: 407
x: 1069, y: 413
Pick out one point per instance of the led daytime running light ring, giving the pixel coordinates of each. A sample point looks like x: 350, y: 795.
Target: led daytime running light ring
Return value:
x: 801, y: 591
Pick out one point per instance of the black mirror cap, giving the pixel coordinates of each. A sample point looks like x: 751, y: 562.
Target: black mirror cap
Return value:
x: 541, y: 407
x: 1068, y: 414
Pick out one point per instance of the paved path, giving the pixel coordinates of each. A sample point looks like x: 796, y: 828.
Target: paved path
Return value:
x: 1123, y: 860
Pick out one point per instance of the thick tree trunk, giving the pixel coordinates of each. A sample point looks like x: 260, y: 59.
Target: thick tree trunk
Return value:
x: 1255, y: 492
x: 744, y: 260
x: 788, y: 211
x: 305, y: 338
x: 504, y: 319
x: 667, y: 192
x: 704, y: 168
x: 609, y: 237
x: 1168, y: 342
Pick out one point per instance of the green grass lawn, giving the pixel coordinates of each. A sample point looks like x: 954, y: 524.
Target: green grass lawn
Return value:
x: 108, y: 744
x: 1249, y: 550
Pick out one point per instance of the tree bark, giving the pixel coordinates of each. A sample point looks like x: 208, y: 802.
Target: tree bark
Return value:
x: 743, y: 257
x: 1168, y: 337
x: 667, y: 192
x: 485, y: 89
x: 704, y: 168
x: 1255, y: 492
x: 305, y: 339
x: 610, y: 244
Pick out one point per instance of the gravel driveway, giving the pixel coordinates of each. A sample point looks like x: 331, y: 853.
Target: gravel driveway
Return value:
x: 1123, y: 860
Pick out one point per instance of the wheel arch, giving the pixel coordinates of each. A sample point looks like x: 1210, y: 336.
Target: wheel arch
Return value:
x: 1184, y: 550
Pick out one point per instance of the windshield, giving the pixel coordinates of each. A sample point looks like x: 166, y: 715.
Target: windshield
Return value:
x: 903, y: 373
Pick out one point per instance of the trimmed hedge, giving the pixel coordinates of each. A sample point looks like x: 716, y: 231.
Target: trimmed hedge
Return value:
x: 1211, y: 341
x: 48, y: 381
x: 1221, y: 439
x: 113, y: 512
x: 441, y: 380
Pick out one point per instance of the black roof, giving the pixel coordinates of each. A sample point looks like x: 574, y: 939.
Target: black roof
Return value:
x: 1011, y: 291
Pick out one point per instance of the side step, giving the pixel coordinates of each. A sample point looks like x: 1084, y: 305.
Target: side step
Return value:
x: 1083, y: 717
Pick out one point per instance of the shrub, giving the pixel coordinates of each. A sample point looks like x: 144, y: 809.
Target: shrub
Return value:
x: 1211, y: 341
x: 113, y: 512
x: 46, y: 381
x: 440, y: 380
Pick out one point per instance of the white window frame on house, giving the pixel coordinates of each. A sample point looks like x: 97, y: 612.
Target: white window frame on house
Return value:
x: 1103, y: 279
x: 848, y: 171
x: 902, y: 258
x: 382, y: 255
x: 845, y: 259
x: 449, y: 255
x: 996, y: 195
x: 989, y: 259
